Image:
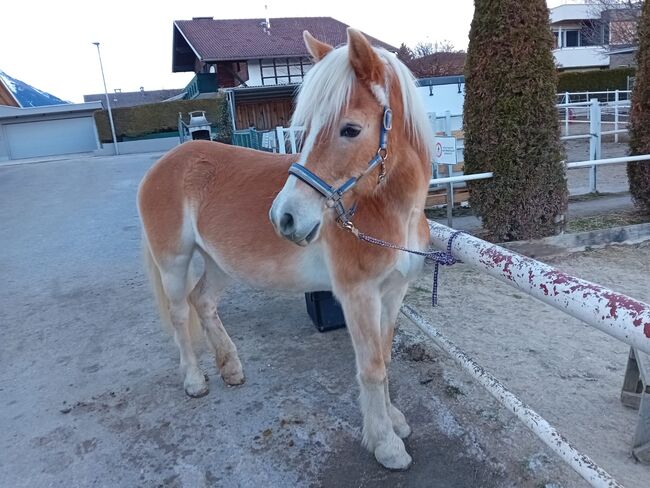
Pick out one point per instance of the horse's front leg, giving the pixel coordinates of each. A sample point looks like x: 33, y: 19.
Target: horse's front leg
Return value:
x: 363, y: 309
x: 391, y: 303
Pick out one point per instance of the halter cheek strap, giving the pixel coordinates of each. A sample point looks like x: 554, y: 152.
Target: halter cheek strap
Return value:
x: 334, y: 196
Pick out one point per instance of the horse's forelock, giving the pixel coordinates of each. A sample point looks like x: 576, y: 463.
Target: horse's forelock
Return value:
x: 327, y: 88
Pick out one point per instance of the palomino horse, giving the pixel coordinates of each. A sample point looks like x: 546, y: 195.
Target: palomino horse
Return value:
x: 253, y: 222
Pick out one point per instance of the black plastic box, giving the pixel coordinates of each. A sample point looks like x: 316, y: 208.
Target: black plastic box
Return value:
x: 325, y: 310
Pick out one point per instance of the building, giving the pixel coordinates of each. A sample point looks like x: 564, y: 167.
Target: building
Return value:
x: 252, y: 52
x: 587, y: 36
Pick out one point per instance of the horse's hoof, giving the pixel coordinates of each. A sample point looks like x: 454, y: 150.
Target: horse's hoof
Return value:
x: 402, y: 430
x: 398, y: 420
x: 392, y: 454
x: 235, y: 379
x: 197, y: 388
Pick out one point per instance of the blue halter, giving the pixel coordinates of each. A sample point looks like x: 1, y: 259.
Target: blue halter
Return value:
x: 334, y: 196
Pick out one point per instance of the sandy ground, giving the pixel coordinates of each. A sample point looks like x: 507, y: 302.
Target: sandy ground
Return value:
x: 609, y: 178
x: 568, y: 372
x: 90, y: 394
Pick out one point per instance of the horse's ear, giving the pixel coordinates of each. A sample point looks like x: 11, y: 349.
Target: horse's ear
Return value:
x: 367, y: 65
x: 316, y: 48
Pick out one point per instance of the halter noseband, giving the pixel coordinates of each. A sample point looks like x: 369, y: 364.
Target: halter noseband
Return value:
x: 333, y: 196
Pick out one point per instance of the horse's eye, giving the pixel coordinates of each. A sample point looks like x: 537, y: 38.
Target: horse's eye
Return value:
x: 350, y: 131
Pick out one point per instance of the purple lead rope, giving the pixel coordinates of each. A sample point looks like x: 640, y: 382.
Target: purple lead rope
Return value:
x: 438, y: 258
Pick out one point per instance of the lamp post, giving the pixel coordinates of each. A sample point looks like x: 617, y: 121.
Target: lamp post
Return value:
x: 108, y: 103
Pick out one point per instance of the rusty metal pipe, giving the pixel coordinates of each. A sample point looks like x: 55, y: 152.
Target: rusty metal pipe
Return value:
x: 618, y: 315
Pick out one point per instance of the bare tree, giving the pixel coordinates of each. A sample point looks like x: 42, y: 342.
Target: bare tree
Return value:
x: 422, y: 49
x: 439, y: 58
x: 618, y: 24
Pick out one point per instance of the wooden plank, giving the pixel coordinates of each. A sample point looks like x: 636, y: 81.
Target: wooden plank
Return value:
x: 439, y: 197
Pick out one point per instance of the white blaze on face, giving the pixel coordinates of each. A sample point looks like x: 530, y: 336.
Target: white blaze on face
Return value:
x: 298, y: 203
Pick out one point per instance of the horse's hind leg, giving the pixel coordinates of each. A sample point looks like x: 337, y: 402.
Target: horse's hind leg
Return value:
x: 174, y: 282
x: 391, y: 302
x: 204, y: 297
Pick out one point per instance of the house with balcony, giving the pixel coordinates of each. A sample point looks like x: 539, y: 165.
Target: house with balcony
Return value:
x: 252, y: 52
x: 588, y: 36
x: 259, y: 62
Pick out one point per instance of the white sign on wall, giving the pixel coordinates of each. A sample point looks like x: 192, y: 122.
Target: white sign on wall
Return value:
x: 444, y: 151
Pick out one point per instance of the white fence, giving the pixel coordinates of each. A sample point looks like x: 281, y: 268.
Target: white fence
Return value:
x: 620, y: 316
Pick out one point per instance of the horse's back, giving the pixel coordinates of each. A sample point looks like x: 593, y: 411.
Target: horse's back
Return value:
x: 221, y: 196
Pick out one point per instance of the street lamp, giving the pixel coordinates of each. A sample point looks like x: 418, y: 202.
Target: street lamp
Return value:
x: 108, y: 103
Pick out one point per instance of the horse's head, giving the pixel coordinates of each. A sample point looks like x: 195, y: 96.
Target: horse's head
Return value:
x: 342, y: 107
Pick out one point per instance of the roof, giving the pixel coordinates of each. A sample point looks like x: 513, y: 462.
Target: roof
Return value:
x: 578, y: 11
x: 78, y: 108
x: 240, y: 39
x: 7, y: 96
x: 24, y: 94
x: 131, y: 99
x: 255, y: 93
x: 438, y: 64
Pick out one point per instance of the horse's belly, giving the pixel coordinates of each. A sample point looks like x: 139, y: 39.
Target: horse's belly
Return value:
x: 303, y: 269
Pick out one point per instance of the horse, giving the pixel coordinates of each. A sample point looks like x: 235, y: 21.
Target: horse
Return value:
x: 274, y: 221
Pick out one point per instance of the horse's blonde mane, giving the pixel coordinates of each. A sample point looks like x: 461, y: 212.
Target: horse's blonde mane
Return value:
x: 327, y: 88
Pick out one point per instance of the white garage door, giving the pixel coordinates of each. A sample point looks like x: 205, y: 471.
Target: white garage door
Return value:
x: 51, y: 137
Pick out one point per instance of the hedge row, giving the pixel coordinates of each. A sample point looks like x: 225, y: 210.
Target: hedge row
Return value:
x: 595, y: 80
x: 162, y: 117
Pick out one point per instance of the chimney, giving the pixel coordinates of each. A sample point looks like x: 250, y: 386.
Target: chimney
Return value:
x: 268, y: 22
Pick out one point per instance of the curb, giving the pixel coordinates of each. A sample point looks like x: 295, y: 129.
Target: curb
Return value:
x: 568, y: 243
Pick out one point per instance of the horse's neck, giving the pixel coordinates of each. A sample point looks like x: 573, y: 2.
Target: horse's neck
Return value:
x: 406, y: 182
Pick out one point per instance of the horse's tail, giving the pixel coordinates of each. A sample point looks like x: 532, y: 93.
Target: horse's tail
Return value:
x: 160, y: 296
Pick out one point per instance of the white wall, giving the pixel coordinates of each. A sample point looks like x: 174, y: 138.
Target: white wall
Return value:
x: 443, y: 98
x: 581, y: 57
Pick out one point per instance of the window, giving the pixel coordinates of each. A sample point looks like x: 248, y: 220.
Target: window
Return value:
x: 572, y: 38
x: 283, y: 71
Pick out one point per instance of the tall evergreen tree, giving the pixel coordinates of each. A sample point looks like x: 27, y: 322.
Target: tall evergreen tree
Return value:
x: 511, y: 122
x: 639, y: 173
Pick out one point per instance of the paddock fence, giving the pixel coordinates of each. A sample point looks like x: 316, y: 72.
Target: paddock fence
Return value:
x: 618, y: 315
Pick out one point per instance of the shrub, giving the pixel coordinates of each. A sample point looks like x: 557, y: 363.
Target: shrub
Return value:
x: 639, y: 173
x: 595, y: 80
x: 161, y: 117
x: 510, y: 121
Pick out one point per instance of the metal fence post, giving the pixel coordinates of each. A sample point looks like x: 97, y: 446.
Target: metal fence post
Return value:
x: 282, y: 149
x: 594, y: 141
x: 450, y: 187
x: 616, y: 100
x: 566, y: 113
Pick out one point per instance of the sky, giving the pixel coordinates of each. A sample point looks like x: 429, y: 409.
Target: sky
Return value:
x: 48, y: 44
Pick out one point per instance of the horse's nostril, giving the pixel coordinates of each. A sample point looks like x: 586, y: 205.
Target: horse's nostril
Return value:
x: 287, y: 226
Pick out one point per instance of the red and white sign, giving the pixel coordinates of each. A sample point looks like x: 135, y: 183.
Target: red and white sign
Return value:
x: 444, y: 151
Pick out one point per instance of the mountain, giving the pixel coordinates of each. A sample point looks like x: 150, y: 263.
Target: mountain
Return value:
x: 27, y: 95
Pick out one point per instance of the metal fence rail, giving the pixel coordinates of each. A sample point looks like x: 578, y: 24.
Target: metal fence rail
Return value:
x: 618, y: 315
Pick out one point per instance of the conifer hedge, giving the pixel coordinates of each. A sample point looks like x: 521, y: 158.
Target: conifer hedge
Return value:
x: 639, y: 173
x: 511, y: 123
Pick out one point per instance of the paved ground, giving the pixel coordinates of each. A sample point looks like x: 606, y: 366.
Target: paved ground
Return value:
x: 89, y: 390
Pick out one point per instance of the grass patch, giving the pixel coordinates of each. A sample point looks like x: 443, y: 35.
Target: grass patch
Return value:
x: 606, y: 221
